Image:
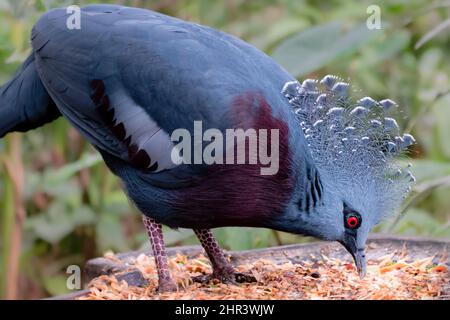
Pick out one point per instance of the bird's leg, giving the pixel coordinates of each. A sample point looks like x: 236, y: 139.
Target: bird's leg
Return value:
x: 154, y: 231
x: 222, y: 269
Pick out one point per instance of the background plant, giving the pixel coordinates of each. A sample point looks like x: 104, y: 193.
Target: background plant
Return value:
x: 74, y: 207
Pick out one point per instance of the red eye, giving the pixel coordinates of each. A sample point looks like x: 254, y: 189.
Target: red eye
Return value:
x: 352, y: 222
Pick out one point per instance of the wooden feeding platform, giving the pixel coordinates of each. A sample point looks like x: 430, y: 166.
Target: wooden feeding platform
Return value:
x: 398, y: 268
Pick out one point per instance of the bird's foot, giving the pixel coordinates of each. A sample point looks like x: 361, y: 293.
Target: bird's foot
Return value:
x: 244, y: 277
x: 225, y: 277
x: 167, y: 286
x: 222, y: 269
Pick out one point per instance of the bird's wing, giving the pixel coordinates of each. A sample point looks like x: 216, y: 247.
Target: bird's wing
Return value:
x: 129, y: 77
x: 65, y: 59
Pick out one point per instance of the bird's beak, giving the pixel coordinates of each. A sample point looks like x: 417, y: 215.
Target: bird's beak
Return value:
x: 358, y: 254
x: 360, y: 262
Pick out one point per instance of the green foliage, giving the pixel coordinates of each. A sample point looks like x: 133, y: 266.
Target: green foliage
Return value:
x: 75, y: 208
x: 309, y: 45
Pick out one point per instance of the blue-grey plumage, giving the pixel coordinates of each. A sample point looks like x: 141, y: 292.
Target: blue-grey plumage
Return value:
x: 129, y: 77
x: 24, y: 102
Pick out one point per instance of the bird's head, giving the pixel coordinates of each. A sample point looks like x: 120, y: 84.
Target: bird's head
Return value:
x: 357, y: 175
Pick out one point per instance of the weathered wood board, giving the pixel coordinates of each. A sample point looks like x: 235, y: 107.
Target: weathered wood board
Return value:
x: 377, y: 246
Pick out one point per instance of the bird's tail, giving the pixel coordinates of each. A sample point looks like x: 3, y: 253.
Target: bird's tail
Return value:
x: 24, y: 102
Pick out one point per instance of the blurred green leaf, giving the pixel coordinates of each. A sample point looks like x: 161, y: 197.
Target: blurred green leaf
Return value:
x: 40, y: 5
x: 390, y: 45
x: 418, y: 222
x: 56, y: 284
x: 279, y: 31
x: 55, y: 177
x: 110, y: 235
x: 425, y: 169
x: 57, y: 222
x: 243, y: 238
x: 314, y: 48
x: 442, y: 111
x: 441, y: 27
x: 175, y: 237
x: 421, y: 191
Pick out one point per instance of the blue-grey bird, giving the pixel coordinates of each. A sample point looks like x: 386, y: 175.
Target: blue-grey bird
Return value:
x: 128, y: 78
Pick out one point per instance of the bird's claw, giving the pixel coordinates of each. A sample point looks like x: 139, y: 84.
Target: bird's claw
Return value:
x: 244, y: 277
x: 228, y: 278
x: 204, y: 278
x: 168, y: 286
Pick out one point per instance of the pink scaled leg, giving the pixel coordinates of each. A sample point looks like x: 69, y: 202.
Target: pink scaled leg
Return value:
x: 154, y: 231
x: 222, y: 269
